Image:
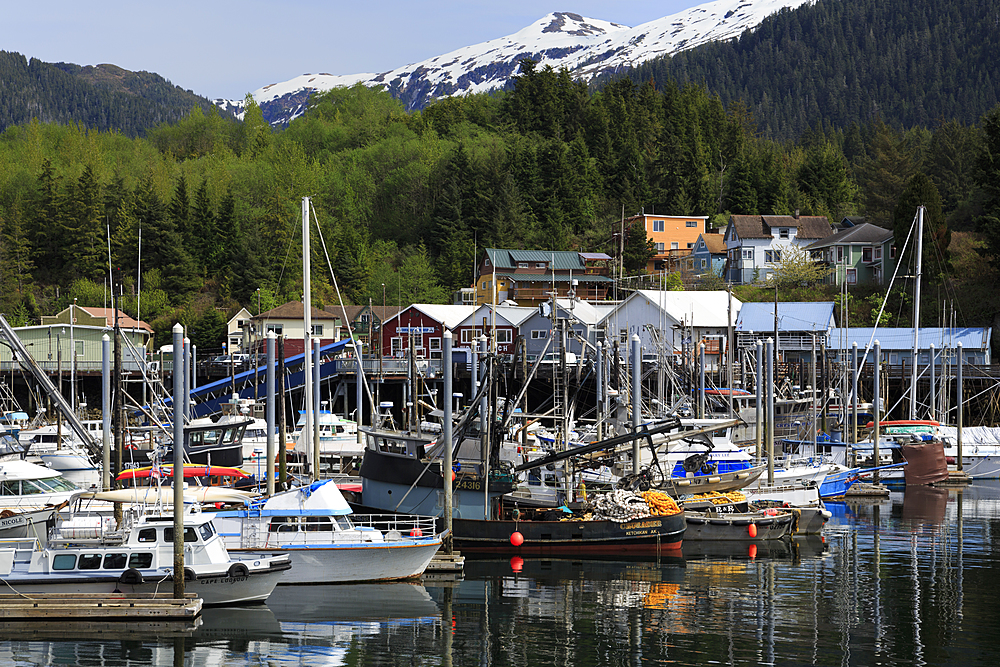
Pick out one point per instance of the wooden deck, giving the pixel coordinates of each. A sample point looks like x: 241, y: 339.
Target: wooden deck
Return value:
x: 98, y: 606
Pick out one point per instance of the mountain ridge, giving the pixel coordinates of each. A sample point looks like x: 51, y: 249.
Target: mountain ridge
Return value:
x: 586, y: 47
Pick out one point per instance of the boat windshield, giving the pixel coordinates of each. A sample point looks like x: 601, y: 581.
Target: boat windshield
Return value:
x: 55, y: 484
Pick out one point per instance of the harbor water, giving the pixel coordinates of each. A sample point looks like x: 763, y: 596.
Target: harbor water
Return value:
x: 909, y: 580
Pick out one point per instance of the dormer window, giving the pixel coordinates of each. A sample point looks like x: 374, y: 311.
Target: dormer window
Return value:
x: 783, y: 233
x: 539, y: 265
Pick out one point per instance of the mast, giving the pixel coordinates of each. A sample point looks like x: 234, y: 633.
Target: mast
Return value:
x: 307, y: 429
x: 916, y: 312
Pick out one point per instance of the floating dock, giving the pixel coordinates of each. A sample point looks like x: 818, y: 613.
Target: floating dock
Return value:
x: 445, y: 566
x: 866, y: 490
x: 98, y: 607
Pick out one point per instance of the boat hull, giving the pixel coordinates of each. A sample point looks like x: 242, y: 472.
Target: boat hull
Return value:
x: 215, y: 589
x: 736, y: 526
x: 649, y: 535
x: 357, y: 563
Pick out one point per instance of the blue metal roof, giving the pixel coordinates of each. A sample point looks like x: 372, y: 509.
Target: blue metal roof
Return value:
x: 901, y: 338
x: 792, y: 316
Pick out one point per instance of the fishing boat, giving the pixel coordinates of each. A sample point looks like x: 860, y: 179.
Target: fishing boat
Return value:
x: 87, y: 553
x: 326, y: 542
x: 25, y: 486
x: 916, y: 442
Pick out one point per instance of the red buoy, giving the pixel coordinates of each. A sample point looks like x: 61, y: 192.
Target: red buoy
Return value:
x: 516, y: 563
x: 752, y: 551
x: 453, y: 475
x: 416, y: 532
x: 516, y: 538
x: 752, y: 529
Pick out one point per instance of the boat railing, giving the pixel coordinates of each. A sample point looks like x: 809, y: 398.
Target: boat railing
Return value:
x: 86, y: 529
x: 397, y: 526
x: 17, y: 550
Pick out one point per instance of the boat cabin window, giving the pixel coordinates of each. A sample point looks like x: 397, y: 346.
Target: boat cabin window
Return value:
x: 140, y: 561
x: 64, y: 562
x: 89, y: 562
x: 343, y: 522
x: 207, y: 531
x: 318, y: 524
x: 391, y: 446
x: 10, y: 487
x: 189, y: 535
x: 147, y: 535
x: 283, y: 524
x: 115, y: 561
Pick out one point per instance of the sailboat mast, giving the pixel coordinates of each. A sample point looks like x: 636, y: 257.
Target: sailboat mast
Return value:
x: 307, y: 428
x: 916, y: 312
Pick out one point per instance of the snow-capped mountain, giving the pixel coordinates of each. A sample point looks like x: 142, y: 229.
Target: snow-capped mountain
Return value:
x: 586, y: 47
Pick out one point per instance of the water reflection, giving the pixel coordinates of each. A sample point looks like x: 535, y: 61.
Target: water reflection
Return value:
x: 905, y: 580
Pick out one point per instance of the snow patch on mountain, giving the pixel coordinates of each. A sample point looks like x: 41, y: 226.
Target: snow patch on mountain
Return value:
x: 586, y: 47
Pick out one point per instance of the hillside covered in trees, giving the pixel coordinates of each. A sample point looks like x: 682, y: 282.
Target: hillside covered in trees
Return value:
x: 104, y: 97
x: 834, y: 63
x: 404, y: 199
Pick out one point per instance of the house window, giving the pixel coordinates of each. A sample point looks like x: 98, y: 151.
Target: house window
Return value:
x: 396, y: 347
x: 704, y: 263
x: 660, y: 247
x: 623, y: 336
x: 783, y: 233
x: 878, y: 253
x: 486, y: 284
x: 691, y: 223
x: 673, y: 245
x: 866, y: 255
x: 840, y: 254
x: 523, y: 265
x: 690, y: 245
x: 434, y: 343
x: 893, y: 357
x: 772, y: 256
x: 852, y: 276
x: 276, y: 328
x: 317, y: 330
x: 892, y: 252
x: 748, y: 253
x: 468, y: 335
x: 657, y: 225
x: 539, y: 333
x: 539, y: 265
x: 504, y: 336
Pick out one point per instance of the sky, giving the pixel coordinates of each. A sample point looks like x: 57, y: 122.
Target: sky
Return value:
x: 228, y: 48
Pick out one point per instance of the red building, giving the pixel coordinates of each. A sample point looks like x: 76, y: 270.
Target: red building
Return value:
x: 424, y: 325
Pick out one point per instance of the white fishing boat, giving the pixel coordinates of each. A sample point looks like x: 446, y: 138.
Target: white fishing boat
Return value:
x: 88, y: 553
x: 25, y: 486
x: 326, y: 542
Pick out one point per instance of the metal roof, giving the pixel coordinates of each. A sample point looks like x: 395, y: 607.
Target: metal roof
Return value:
x: 901, y: 338
x: 792, y: 316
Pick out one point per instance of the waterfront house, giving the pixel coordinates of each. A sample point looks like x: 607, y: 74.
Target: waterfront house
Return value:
x: 288, y: 321
x: 528, y: 277
x: 507, y: 322
x: 896, y: 344
x: 582, y: 324
x: 798, y: 325
x: 707, y: 256
x: 676, y: 320
x: 857, y: 253
x: 673, y: 237
x: 421, y: 327
x: 755, y: 243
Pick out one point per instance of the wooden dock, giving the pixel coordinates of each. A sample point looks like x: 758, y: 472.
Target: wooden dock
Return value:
x: 866, y: 490
x: 445, y: 566
x: 98, y: 607
x: 956, y: 478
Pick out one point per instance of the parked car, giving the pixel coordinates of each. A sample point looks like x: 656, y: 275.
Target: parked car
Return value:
x: 226, y: 361
x: 553, y: 358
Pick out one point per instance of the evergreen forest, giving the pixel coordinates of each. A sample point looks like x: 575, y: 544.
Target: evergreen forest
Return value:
x: 203, y: 214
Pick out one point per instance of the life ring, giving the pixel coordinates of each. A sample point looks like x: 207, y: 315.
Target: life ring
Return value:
x: 238, y: 570
x: 131, y: 577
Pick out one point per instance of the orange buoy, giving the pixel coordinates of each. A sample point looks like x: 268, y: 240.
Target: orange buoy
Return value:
x: 752, y: 551
x: 416, y: 532
x: 752, y: 529
x: 453, y: 475
x: 516, y: 563
x: 516, y: 538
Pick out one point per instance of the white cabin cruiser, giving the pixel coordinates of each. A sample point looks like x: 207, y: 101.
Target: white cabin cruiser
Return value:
x: 87, y: 553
